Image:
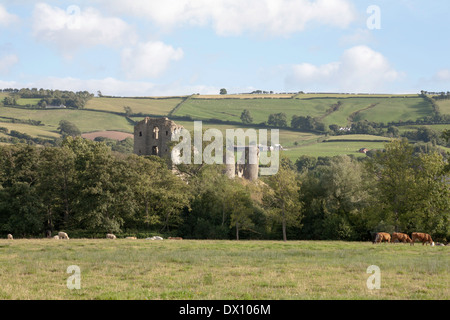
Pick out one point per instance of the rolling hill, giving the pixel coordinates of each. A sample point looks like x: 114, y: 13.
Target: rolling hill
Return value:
x: 223, y: 112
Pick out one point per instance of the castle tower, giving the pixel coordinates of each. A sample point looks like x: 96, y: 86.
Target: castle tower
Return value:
x: 153, y: 135
x: 249, y: 166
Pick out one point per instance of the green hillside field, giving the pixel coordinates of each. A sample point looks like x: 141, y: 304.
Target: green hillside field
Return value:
x: 108, y: 114
x: 444, y: 106
x: 85, y: 120
x: 375, y: 109
x: 156, y: 106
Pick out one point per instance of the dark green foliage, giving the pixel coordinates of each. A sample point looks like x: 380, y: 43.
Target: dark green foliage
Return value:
x: 246, y: 118
x: 277, y: 120
x: 67, y: 128
x: 307, y: 123
x: 9, y: 101
x: 84, y: 187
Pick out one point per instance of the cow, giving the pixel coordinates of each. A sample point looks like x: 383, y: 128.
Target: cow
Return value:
x: 382, y: 236
x: 422, y: 237
x: 110, y: 236
x: 10, y: 237
x: 63, y: 235
x: 401, y: 237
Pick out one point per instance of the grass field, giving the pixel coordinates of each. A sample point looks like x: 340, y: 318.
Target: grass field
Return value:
x: 34, y: 131
x: 229, y: 270
x: 444, y: 106
x: 396, y: 109
x: 86, y: 121
x: 260, y: 109
x: 436, y: 127
x: 287, y: 137
x: 331, y: 149
x: 145, y: 106
x: 385, y: 109
x: 100, y: 115
x: 359, y: 137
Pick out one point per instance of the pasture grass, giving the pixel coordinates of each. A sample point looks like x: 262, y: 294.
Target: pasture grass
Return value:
x: 229, y: 270
x: 287, y: 137
x: 444, y: 106
x: 360, y: 137
x: 331, y: 149
x: 435, y: 127
x: 85, y: 120
x: 376, y: 108
x: 260, y: 109
x: 46, y: 132
x: 146, y: 106
x: 397, y: 109
x: 245, y: 96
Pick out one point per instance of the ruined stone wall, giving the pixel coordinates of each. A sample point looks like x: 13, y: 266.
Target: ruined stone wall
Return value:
x: 152, y: 136
x: 247, y: 169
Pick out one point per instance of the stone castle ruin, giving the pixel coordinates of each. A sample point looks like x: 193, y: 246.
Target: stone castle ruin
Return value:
x: 153, y: 136
x: 244, y: 168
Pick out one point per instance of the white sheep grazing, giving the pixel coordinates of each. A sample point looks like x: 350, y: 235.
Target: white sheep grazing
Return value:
x: 63, y: 235
x: 110, y: 236
x: 10, y: 237
x: 56, y: 237
x: 154, y: 238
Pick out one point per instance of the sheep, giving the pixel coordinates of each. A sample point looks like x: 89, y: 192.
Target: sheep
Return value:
x: 10, y: 237
x: 56, y: 237
x: 63, y: 235
x: 154, y: 238
x: 131, y: 238
x: 110, y: 236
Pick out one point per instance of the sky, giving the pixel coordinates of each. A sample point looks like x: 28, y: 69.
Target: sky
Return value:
x: 181, y: 47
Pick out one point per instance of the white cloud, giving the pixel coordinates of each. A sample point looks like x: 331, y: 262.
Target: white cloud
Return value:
x: 358, y: 37
x: 112, y: 86
x: 7, y: 62
x: 71, y: 28
x: 148, y: 60
x: 234, y: 17
x: 442, y: 76
x: 6, y: 18
x: 360, y: 69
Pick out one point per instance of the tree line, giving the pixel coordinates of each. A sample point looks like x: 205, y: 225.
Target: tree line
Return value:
x: 84, y: 188
x: 70, y: 99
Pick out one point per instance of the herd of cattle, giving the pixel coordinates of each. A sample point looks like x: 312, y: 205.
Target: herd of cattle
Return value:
x: 425, y: 238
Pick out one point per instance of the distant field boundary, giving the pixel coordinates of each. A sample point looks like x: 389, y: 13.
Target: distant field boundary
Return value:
x: 171, y: 112
x: 359, y: 97
x: 147, y: 98
x: 352, y: 117
x: 355, y: 140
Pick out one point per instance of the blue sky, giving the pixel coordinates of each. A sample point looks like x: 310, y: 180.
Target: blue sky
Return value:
x: 178, y: 47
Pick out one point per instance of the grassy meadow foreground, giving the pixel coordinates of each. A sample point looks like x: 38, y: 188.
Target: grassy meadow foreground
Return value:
x: 265, y: 270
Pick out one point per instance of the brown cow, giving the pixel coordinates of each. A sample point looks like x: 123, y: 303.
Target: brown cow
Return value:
x: 422, y: 237
x: 382, y: 236
x: 401, y: 237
